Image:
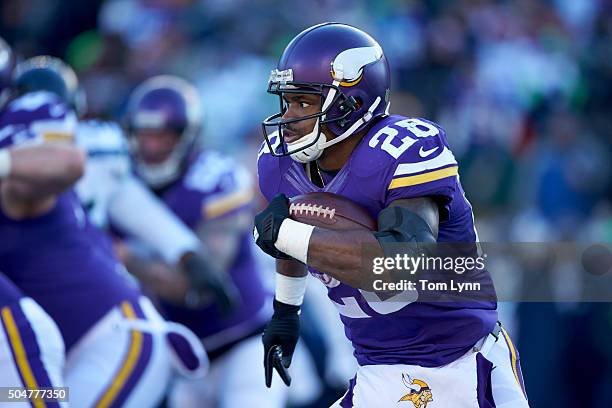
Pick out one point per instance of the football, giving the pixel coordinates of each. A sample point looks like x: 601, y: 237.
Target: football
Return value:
x: 330, y: 211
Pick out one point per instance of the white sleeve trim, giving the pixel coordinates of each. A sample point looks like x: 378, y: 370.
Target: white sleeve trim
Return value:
x: 443, y: 159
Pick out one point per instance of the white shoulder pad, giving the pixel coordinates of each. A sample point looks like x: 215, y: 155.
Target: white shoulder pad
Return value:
x: 32, y: 101
x: 98, y: 137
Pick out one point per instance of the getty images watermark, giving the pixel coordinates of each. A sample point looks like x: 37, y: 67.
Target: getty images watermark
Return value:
x: 490, y: 271
x: 405, y: 265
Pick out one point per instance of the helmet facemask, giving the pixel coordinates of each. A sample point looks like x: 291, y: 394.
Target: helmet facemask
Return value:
x: 310, y: 146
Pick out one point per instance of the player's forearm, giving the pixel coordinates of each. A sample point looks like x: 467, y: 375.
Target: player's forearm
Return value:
x: 345, y: 255
x: 132, y: 207
x: 43, y: 170
x: 291, y: 268
x: 159, y: 278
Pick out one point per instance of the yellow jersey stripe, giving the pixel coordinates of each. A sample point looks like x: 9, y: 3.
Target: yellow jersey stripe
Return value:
x: 227, y: 203
x: 20, y: 355
x: 58, y: 137
x: 129, y: 363
x: 424, y: 178
x: 513, y: 357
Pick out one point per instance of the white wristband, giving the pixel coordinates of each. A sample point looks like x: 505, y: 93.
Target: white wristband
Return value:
x: 293, y: 239
x: 290, y: 290
x: 5, y: 163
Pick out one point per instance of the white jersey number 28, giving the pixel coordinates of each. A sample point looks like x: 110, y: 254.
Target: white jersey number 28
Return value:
x: 416, y: 127
x: 351, y: 308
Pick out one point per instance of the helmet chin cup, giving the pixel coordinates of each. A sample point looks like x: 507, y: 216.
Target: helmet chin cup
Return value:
x: 158, y: 175
x: 316, y: 150
x: 310, y: 153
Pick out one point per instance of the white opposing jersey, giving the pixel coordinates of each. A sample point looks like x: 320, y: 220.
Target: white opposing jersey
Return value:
x: 108, y: 163
x: 112, y: 194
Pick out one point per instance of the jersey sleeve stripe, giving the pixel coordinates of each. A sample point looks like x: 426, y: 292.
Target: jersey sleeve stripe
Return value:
x: 227, y: 203
x: 443, y: 159
x: 58, y: 137
x: 423, y: 178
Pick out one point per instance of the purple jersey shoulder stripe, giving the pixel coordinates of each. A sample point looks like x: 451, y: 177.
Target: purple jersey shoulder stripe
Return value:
x: 25, y: 350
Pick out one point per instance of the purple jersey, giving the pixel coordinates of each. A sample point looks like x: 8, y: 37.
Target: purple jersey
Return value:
x: 399, y: 158
x: 36, y: 117
x: 60, y: 260
x: 213, y: 187
x: 9, y: 293
x: 64, y: 264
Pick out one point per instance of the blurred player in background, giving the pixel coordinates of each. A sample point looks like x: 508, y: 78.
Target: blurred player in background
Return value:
x: 334, y: 134
x: 212, y: 195
x: 110, y: 193
x: 66, y: 264
x: 31, y: 346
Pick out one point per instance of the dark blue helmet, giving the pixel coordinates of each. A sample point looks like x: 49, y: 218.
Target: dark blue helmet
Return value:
x: 347, y: 68
x: 7, y: 62
x: 164, y: 103
x: 46, y: 73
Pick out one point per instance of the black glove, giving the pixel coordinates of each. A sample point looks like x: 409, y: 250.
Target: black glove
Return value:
x: 205, y: 281
x: 267, y: 226
x: 279, y: 339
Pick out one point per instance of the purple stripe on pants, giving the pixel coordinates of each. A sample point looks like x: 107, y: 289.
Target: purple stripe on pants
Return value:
x: 517, y: 366
x: 141, y: 363
x: 32, y: 351
x: 520, y: 375
x: 484, y: 389
x: 347, y: 400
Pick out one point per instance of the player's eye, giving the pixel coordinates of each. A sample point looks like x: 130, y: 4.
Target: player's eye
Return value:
x: 304, y: 105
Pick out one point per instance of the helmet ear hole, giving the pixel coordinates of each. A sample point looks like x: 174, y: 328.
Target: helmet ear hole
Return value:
x: 350, y: 104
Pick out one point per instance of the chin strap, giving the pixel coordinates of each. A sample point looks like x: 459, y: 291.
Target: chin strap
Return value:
x: 364, y: 119
x: 314, y: 152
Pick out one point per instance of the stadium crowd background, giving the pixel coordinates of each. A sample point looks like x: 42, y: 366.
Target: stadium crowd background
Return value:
x: 523, y: 89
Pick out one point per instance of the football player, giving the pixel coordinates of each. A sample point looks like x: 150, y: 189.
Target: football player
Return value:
x: 334, y: 134
x: 117, y: 345
x: 212, y: 195
x: 31, y: 346
x: 112, y: 195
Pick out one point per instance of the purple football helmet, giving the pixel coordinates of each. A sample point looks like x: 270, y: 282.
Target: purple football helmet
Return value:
x: 347, y: 68
x: 164, y: 103
x: 7, y: 62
